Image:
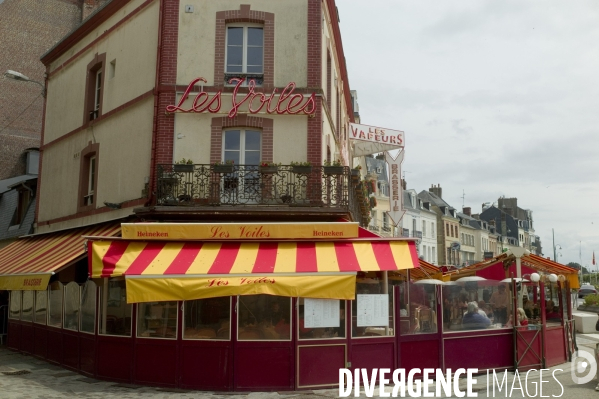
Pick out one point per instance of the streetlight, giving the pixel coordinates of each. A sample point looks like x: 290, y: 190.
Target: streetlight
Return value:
x: 20, y: 77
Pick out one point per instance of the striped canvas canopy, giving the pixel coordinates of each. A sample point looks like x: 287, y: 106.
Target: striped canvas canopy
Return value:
x: 28, y: 263
x: 161, y: 270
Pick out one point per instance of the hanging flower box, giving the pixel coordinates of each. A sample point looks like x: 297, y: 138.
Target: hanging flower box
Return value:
x: 268, y: 170
x: 183, y: 168
x: 333, y: 170
x: 301, y: 170
x: 223, y: 168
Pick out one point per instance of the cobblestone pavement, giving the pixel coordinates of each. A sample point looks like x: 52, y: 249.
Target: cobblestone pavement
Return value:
x: 26, y: 377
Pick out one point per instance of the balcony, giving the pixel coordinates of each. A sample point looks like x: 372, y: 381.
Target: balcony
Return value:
x: 417, y: 234
x: 251, y: 191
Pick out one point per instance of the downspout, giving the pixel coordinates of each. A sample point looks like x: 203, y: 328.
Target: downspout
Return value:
x: 151, y: 183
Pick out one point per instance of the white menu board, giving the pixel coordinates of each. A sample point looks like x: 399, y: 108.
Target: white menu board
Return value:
x: 373, y: 310
x: 321, y: 312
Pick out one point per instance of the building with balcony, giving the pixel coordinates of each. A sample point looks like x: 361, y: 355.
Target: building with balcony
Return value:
x: 376, y: 174
x: 419, y: 222
x: 202, y: 146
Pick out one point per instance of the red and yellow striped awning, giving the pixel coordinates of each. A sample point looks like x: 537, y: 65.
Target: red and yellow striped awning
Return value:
x: 28, y: 263
x: 179, y: 270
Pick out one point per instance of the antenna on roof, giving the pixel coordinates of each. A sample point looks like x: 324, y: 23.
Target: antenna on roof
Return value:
x: 463, y: 198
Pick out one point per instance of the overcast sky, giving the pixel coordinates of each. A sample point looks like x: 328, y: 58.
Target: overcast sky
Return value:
x: 496, y: 98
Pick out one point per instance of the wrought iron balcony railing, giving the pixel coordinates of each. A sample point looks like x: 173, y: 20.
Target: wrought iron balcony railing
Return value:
x: 417, y: 234
x: 241, y: 185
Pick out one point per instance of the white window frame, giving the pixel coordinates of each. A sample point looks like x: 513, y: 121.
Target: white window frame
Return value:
x: 242, y: 131
x: 89, y: 198
x: 244, y: 50
x: 97, y: 92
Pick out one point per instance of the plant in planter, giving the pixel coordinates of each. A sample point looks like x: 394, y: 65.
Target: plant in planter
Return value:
x: 268, y: 167
x: 184, y: 165
x: 301, y: 167
x: 332, y: 168
x: 355, y: 172
x: 224, y: 167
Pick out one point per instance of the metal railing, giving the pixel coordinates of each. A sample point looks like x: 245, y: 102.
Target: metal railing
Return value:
x: 417, y: 234
x: 243, y: 185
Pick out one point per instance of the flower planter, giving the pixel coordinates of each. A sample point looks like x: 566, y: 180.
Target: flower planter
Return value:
x: 182, y: 168
x: 333, y: 170
x: 223, y: 168
x: 268, y: 170
x: 302, y: 170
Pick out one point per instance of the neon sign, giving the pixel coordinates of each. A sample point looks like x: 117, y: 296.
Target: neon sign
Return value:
x: 286, y: 103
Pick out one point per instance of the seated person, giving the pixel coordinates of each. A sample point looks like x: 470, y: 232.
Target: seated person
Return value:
x: 481, y: 306
x: 485, y: 308
x: 553, y: 313
x: 473, y: 320
x: 522, y: 318
x: 528, y: 307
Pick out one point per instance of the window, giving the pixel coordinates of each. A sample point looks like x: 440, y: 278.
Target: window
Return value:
x: 115, y: 313
x: 94, y: 88
x: 434, y: 255
x: 318, y: 318
x: 157, y: 320
x: 27, y: 309
x: 242, y: 147
x: 432, y: 230
x: 207, y: 318
x: 15, y: 305
x: 41, y: 306
x: 417, y: 308
x: 372, y: 311
x: 245, y: 53
x: 447, y: 229
x: 26, y: 194
x: 88, y: 177
x: 263, y: 318
x: 88, y: 308
x: 423, y: 228
x: 71, y: 306
x: 55, y: 305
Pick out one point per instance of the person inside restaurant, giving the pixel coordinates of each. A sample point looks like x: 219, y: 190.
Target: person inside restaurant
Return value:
x: 473, y: 320
x: 499, y: 302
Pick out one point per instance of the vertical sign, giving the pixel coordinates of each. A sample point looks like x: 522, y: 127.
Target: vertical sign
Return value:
x: 396, y: 195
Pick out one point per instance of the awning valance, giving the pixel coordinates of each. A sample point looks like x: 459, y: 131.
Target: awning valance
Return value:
x: 160, y: 267
x: 28, y: 263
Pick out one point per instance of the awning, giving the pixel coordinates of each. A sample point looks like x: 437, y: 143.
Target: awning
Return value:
x: 28, y: 263
x: 317, y: 269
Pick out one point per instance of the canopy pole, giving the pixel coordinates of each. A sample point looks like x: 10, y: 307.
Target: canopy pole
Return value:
x: 386, y: 291
x: 104, y: 304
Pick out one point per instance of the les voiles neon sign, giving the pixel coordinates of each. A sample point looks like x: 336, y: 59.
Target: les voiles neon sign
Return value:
x: 286, y: 103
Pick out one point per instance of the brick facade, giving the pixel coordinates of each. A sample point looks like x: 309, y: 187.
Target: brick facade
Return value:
x: 28, y: 29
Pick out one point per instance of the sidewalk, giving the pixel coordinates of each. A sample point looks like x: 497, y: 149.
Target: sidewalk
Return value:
x: 25, y: 377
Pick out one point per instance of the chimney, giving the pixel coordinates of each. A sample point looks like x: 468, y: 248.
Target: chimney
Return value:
x: 404, y: 184
x: 436, y: 190
x: 467, y: 210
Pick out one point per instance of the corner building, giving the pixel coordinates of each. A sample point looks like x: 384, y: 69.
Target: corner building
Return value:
x: 196, y: 206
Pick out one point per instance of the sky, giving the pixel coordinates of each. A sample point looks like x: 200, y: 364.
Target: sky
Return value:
x: 496, y: 98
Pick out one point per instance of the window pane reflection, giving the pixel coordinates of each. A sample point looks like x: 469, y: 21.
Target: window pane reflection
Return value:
x: 264, y: 317
x: 372, y: 311
x: 41, y: 306
x: 71, y: 306
x: 55, y: 314
x: 157, y: 320
x: 115, y: 312
x: 27, y: 311
x: 88, y: 307
x: 207, y: 318
x: 15, y: 305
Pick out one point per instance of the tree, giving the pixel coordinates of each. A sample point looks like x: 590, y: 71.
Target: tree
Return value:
x: 577, y: 266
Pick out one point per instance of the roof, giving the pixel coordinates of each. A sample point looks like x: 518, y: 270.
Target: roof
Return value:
x: 7, y: 184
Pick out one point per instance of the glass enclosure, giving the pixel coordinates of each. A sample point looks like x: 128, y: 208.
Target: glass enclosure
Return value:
x: 157, y: 320
x: 88, y: 308
x: 372, y: 311
x: 207, y: 318
x: 41, y: 306
x: 15, y: 305
x: 27, y: 308
x: 418, y: 308
x: 115, y: 313
x: 71, y: 306
x: 264, y: 317
x: 321, y: 318
x: 55, y: 309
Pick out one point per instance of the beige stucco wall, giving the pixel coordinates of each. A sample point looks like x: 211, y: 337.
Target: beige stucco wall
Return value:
x: 197, y: 35
x: 124, y: 163
x: 132, y: 45
x: 192, y: 137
